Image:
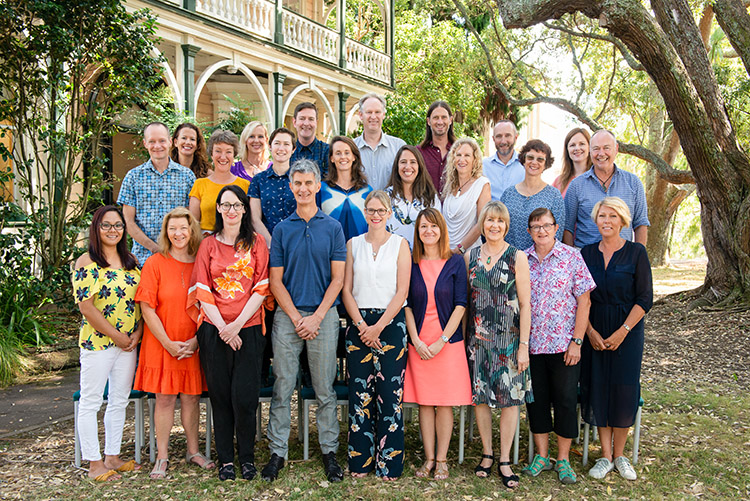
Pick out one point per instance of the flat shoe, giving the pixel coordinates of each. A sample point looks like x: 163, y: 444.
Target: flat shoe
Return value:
x: 538, y: 465
x: 129, y: 466
x: 160, y: 469
x: 107, y: 477
x: 441, y: 469
x: 424, y: 470
x: 206, y: 463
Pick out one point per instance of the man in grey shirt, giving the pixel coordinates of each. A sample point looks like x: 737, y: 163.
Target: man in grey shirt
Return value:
x: 377, y: 149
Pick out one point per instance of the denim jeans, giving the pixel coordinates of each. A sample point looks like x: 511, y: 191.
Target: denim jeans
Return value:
x: 321, y: 354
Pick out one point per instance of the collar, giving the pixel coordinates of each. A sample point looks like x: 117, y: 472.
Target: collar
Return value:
x: 310, y: 146
x: 556, y: 250
x: 172, y: 165
x: 383, y: 141
x: 590, y: 172
x: 272, y: 173
x: 513, y: 159
x: 296, y: 217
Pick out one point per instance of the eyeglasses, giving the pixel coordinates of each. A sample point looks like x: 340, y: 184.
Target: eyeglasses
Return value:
x: 379, y: 212
x: 226, y: 206
x: 539, y: 159
x: 539, y: 227
x: 109, y: 226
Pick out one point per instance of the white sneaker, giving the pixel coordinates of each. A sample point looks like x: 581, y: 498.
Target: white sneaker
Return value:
x: 601, y: 468
x: 624, y: 468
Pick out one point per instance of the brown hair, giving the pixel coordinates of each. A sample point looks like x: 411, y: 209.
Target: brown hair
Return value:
x: 428, y: 131
x: 536, y: 145
x: 165, y: 245
x: 359, y: 178
x: 433, y: 216
x: 422, y: 189
x: 200, y: 165
x: 539, y: 213
x: 568, y: 170
x: 225, y: 137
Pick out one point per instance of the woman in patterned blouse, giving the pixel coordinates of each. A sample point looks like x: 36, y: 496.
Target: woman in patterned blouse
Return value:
x: 104, y: 283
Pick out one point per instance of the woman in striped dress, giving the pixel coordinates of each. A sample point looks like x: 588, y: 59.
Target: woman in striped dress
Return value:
x: 498, y: 339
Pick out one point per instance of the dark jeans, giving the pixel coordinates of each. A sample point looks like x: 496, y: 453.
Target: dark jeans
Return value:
x: 555, y: 386
x: 233, y: 379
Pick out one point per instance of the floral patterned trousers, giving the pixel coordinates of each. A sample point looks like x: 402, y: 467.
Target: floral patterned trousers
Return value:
x: 376, y: 390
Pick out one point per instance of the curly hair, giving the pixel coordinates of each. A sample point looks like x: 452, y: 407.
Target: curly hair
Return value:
x: 200, y: 165
x: 451, y: 174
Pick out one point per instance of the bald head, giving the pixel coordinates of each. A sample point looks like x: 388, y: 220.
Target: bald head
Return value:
x: 603, y: 149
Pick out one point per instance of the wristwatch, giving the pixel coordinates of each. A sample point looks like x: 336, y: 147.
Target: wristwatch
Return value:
x: 445, y: 339
x: 626, y: 327
x: 577, y: 341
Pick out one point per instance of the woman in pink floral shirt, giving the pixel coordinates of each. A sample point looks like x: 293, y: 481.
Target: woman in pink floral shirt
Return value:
x: 560, y: 286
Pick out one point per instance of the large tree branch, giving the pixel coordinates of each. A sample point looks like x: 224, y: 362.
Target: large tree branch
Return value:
x: 733, y: 18
x: 626, y: 54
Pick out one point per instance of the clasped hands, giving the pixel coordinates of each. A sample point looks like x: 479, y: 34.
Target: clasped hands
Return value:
x: 611, y: 343
x: 427, y: 352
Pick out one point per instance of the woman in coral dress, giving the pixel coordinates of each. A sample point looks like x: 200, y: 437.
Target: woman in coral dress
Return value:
x: 169, y: 364
x: 437, y: 374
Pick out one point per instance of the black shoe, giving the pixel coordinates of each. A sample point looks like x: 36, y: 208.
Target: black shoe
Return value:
x: 226, y: 472
x: 249, y: 471
x: 334, y: 473
x: 270, y: 472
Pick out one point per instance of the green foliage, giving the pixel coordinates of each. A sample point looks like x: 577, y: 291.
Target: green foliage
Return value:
x: 11, y: 357
x: 70, y: 69
x: 239, y: 115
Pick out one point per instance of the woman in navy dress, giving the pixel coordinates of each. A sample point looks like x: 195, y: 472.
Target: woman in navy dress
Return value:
x: 613, y: 348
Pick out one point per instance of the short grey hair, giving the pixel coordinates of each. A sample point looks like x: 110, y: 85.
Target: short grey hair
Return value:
x: 605, y: 131
x: 372, y: 95
x: 506, y: 121
x: 304, y: 166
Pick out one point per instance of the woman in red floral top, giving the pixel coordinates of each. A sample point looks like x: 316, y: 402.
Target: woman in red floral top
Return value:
x: 230, y: 282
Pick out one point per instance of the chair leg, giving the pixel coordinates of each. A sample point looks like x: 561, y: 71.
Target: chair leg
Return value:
x: 471, y: 423
x: 209, y: 426
x: 515, y: 438
x: 578, y: 422
x: 151, y: 430
x: 462, y: 430
x: 306, y: 433
x: 531, y: 445
x: 139, y: 428
x: 77, y: 440
x: 637, y: 435
x: 258, y: 419
x: 585, y: 444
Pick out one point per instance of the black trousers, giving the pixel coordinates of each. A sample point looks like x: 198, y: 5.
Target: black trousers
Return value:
x: 233, y: 379
x: 555, y: 386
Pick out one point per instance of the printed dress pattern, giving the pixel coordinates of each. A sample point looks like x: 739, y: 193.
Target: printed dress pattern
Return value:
x: 494, y: 334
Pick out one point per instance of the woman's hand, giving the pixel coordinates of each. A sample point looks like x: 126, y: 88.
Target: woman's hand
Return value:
x: 523, y: 357
x: 572, y: 354
x: 174, y: 348
x: 436, y: 347
x: 188, y: 348
x: 595, y: 339
x: 422, y: 349
x: 229, y: 332
x: 370, y: 336
x: 121, y: 340
x: 615, y: 340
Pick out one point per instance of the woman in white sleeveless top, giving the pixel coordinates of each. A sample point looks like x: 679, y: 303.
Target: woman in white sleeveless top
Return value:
x: 378, y: 267
x: 465, y: 193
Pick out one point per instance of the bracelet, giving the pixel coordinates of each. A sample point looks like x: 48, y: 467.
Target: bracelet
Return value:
x: 461, y: 249
x: 524, y: 342
x: 626, y: 327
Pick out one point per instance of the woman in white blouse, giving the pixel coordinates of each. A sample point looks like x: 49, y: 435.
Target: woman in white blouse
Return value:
x: 465, y: 193
x: 376, y: 283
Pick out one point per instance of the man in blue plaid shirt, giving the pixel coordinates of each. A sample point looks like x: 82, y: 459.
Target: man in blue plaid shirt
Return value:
x: 305, y: 122
x: 151, y: 190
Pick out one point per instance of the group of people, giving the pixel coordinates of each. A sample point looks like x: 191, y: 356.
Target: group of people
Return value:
x: 462, y: 281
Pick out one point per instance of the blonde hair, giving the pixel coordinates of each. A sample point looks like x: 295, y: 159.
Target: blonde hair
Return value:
x: 494, y: 209
x: 165, y: 245
x: 617, y: 204
x: 450, y: 174
x: 249, y: 128
x: 381, y: 197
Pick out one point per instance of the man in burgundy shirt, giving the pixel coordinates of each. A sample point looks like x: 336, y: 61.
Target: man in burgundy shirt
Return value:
x: 438, y: 139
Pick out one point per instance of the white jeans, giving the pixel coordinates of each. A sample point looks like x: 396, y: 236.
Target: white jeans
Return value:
x: 97, y: 367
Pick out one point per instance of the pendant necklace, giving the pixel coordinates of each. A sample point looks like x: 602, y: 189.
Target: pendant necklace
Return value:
x: 462, y: 186
x: 408, y: 220
x: 604, y: 187
x: 489, y: 257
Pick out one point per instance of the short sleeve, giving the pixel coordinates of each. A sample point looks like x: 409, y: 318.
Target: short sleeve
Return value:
x: 200, y: 282
x: 149, y: 284
x: 640, y: 209
x: 276, y: 258
x: 260, y: 273
x: 644, y: 290
x: 253, y: 191
x: 583, y: 282
x: 127, y: 190
x: 339, y: 244
x: 196, y: 191
x: 86, y: 282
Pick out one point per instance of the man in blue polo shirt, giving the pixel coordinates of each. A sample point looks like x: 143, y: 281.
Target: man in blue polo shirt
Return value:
x: 151, y: 190
x: 503, y: 169
x: 305, y: 122
x: 308, y: 254
x: 604, y: 180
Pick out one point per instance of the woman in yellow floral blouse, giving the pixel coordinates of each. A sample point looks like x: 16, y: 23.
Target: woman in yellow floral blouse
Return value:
x: 104, y: 283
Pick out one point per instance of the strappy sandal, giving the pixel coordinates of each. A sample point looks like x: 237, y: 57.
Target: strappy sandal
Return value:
x: 424, y: 470
x: 207, y: 463
x: 507, y: 479
x: 538, y: 465
x: 109, y: 476
x: 129, y: 466
x: 160, y: 469
x: 487, y: 470
x: 441, y: 469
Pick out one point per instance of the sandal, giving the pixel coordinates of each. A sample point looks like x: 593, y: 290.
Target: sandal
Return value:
x: 538, y: 465
x: 206, y: 463
x: 424, y: 471
x: 129, y: 466
x: 507, y: 479
x: 441, y: 469
x: 107, y: 477
x: 486, y: 470
x: 565, y: 473
x: 160, y: 469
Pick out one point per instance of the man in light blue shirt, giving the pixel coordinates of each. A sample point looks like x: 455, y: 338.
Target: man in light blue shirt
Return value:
x: 604, y: 180
x: 503, y: 169
x: 377, y: 149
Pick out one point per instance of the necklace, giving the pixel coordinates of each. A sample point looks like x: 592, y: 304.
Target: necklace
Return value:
x: 182, y: 272
x: 605, y: 181
x: 462, y: 186
x: 490, y: 256
x: 408, y: 220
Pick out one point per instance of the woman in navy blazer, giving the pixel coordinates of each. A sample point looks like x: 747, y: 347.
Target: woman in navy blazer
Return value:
x: 437, y: 373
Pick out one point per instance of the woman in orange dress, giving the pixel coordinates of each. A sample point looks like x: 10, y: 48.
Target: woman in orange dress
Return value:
x: 169, y: 364
x: 437, y: 373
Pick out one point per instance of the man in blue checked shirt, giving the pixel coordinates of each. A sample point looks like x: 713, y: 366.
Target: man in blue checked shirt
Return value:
x: 305, y: 122
x: 605, y: 179
x: 151, y: 190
